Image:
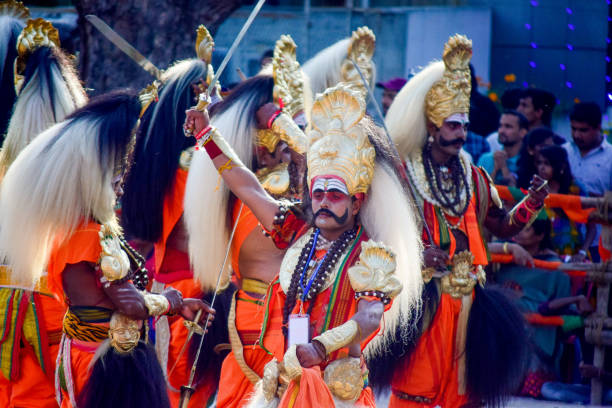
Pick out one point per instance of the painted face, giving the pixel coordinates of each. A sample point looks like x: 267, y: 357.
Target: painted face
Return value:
x: 332, y: 207
x: 451, y: 137
x: 509, y: 132
x: 585, y: 136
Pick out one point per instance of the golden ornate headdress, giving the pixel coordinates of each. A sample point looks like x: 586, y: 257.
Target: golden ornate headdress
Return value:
x: 339, y: 146
x: 14, y: 9
x: 37, y: 33
x: 288, y: 77
x: 361, y: 50
x: 451, y: 94
x: 204, y: 47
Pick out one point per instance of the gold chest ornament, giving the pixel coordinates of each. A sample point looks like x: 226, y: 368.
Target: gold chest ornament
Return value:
x: 463, y: 276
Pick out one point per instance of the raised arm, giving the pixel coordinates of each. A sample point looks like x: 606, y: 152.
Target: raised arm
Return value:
x: 240, y: 180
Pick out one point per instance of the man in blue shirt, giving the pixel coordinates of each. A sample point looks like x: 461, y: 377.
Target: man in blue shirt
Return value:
x: 502, y: 165
x: 590, y: 157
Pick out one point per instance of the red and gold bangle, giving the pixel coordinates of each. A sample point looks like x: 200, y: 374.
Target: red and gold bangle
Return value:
x: 203, y: 133
x: 273, y: 117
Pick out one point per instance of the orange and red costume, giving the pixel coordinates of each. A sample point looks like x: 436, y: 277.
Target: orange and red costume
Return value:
x: 432, y: 375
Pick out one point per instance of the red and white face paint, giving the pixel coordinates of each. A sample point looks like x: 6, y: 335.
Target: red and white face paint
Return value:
x: 461, y: 118
x: 334, y: 187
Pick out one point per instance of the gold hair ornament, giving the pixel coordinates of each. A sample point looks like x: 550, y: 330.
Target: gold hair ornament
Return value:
x: 204, y: 46
x: 451, y: 94
x: 37, y: 33
x: 14, y: 9
x: 147, y: 95
x: 361, y: 50
x: 339, y: 146
x: 288, y: 77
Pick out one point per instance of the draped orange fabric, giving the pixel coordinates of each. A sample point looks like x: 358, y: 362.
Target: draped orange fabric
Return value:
x: 33, y: 389
x: 310, y: 391
x: 569, y: 203
x: 537, y: 263
x: 234, y: 387
x: 246, y: 224
x: 82, y: 246
x: 173, y: 210
x: 432, y: 372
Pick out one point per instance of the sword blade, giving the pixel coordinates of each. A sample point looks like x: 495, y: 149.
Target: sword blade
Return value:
x: 235, y: 44
x: 124, y: 46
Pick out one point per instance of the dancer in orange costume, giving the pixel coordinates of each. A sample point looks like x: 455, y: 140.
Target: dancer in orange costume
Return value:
x: 327, y: 274
x: 63, y: 219
x: 462, y: 323
x: 47, y: 90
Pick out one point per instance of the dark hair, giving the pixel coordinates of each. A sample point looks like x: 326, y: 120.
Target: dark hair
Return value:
x: 586, y: 112
x: 557, y: 157
x: 523, y: 122
x: 511, y: 98
x: 267, y: 54
x: 133, y: 379
x: 160, y: 144
x: 11, y: 28
x: 543, y: 100
x: 543, y: 226
x: 526, y: 162
x: 117, y: 112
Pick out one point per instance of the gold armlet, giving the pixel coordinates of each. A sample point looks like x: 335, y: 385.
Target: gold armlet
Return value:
x: 225, y: 148
x: 338, y: 337
x: 290, y: 133
x: 291, y: 364
x: 157, y: 305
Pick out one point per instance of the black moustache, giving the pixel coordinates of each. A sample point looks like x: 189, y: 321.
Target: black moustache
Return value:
x: 340, y: 220
x: 446, y: 143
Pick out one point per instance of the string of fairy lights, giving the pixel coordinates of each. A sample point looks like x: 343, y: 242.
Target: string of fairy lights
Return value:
x: 570, y: 28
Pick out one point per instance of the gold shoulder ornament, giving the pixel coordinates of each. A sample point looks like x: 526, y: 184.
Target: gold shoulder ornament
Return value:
x: 114, y: 262
x: 375, y: 271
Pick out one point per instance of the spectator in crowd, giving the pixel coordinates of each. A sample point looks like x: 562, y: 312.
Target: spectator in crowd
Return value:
x: 590, y: 155
x: 537, y: 105
x: 534, y: 141
x: 535, y: 288
x: 503, y: 164
x: 475, y: 145
x: 590, y: 158
x: 484, y: 116
x: 566, y: 237
x: 390, y: 89
x: 509, y: 101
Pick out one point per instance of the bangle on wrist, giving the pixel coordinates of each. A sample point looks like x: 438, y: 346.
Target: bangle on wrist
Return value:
x: 203, y: 132
x: 505, y: 248
x: 273, y: 118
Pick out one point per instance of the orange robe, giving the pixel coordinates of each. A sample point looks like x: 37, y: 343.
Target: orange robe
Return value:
x: 234, y: 386
x: 82, y: 246
x: 33, y: 386
x: 431, y: 372
x: 333, y: 307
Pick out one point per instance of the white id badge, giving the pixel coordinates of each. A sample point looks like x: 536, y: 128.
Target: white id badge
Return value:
x: 299, y: 329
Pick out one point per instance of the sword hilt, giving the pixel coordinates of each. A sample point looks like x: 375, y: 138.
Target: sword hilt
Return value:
x: 186, y: 393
